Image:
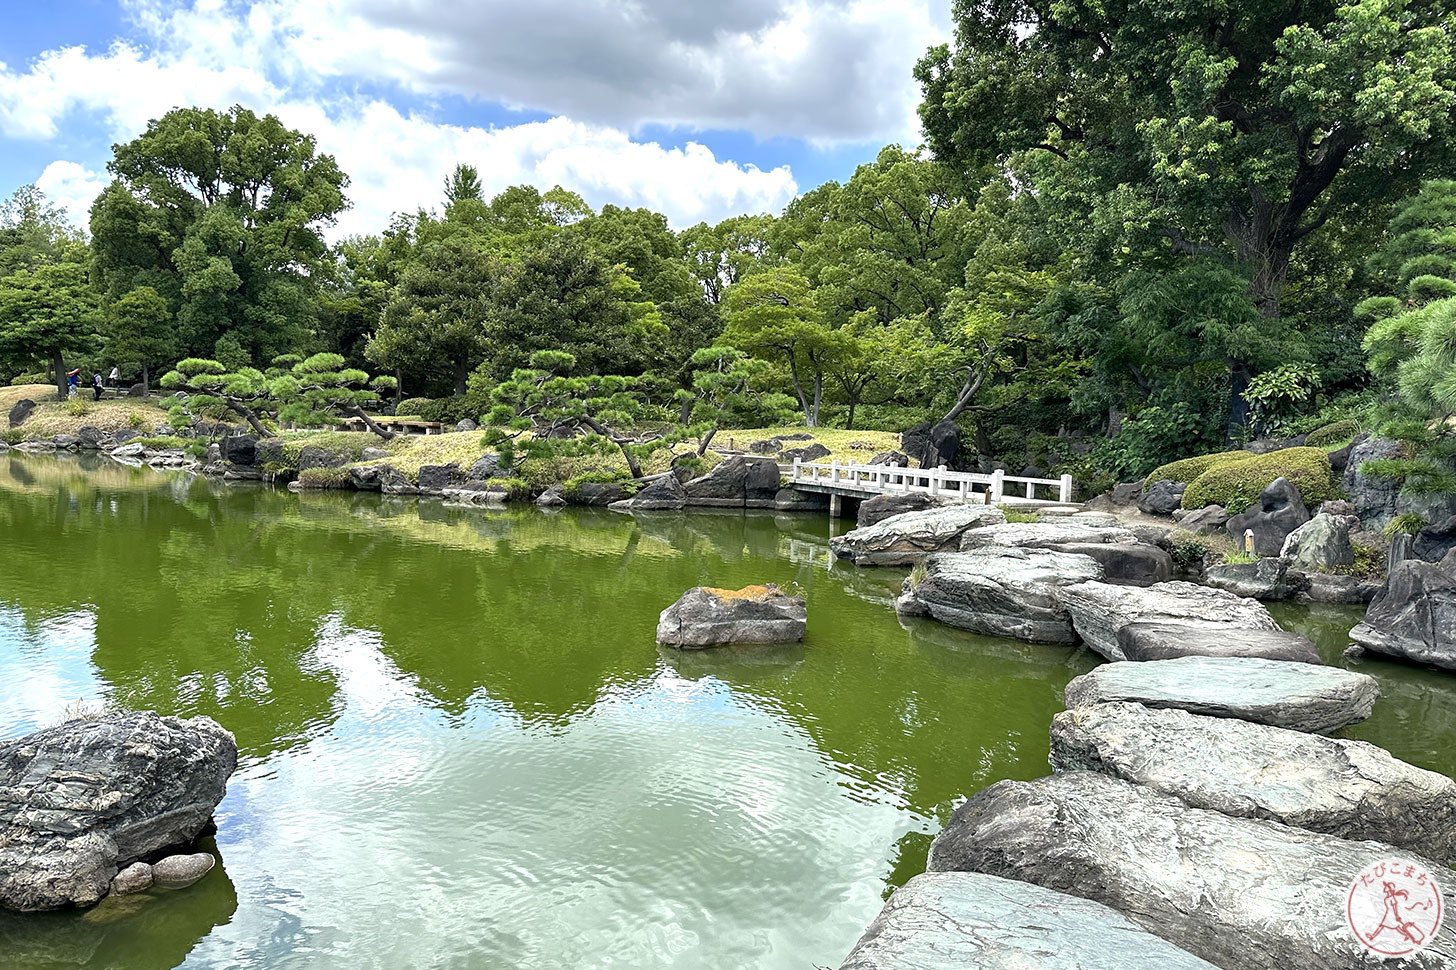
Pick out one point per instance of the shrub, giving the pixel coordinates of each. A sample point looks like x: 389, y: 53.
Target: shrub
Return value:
x: 136, y: 421
x: 76, y: 407
x: 1187, y: 469
x: 1408, y: 524
x: 1236, y: 485
x: 516, y: 489
x: 1338, y: 433
x: 1016, y: 515
x: 1239, y: 558
x: 22, y: 380
x: 413, y: 407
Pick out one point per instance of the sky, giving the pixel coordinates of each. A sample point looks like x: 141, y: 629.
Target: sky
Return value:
x: 700, y: 109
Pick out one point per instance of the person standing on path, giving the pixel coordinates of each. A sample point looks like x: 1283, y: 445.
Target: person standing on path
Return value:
x: 96, y: 384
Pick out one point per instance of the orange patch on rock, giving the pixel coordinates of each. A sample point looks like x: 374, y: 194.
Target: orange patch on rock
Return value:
x: 753, y: 593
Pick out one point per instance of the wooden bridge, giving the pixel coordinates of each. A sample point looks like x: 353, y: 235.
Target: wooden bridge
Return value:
x: 863, y: 481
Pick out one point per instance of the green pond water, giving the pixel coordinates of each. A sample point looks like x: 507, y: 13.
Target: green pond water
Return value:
x: 461, y: 748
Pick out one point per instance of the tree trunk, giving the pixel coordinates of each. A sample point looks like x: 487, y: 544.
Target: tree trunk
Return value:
x: 849, y: 418
x: 370, y: 423
x: 685, y: 413
x: 398, y: 389
x: 619, y: 440
x: 146, y: 383
x: 799, y: 389
x: 246, y: 413
x: 818, y: 398
x: 59, y: 363
x: 706, y: 441
x: 461, y: 373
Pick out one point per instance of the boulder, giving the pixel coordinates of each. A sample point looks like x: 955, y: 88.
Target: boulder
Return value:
x: 881, y: 507
x: 1209, y: 520
x: 1301, y: 697
x: 373, y: 454
x: 1373, y: 497
x: 434, y: 479
x: 132, y: 450
x: 596, y: 493
x: 1435, y: 542
x: 739, y: 482
x: 1127, y: 493
x: 312, y: 456
x: 1044, y: 535
x: 706, y: 617
x: 769, y: 446
x: 1414, y: 616
x: 66, y: 442
x: 82, y: 799
x: 122, y: 435
x: 37, y: 447
x: 213, y: 455
x: 1163, y: 640
x: 911, y: 536
x: 891, y: 458
x: 269, y: 451
x: 793, y: 500
x: 135, y: 878
x: 551, y: 498
x: 181, y: 871
x: 932, y: 445
x: 1000, y: 592
x: 1279, y: 511
x: 367, y: 478
x: 1266, y: 579
x: 1352, y: 789
x: 809, y: 453
x: 90, y: 437
x: 465, y: 424
x: 666, y: 493
x: 1322, y: 544
x: 1100, y: 610
x: 1244, y: 894
x: 1138, y: 563
x: 1340, y: 590
x: 1161, y: 498
x: 240, y: 449
x: 956, y: 920
x: 20, y: 411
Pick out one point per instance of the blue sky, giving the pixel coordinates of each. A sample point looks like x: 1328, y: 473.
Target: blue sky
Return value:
x: 699, y: 108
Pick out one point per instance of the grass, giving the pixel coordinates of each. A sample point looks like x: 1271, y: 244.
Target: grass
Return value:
x: 1016, y: 515
x: 1239, y: 558
x: 36, y: 392
x: 844, y: 446
x: 351, y: 443
x: 54, y: 417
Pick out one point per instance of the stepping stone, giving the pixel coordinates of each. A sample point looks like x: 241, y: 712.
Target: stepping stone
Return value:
x: 1301, y: 697
x: 1352, y: 789
x: 1100, y: 610
x: 1243, y: 894
x: 954, y: 920
x: 1166, y: 640
x: 909, y: 537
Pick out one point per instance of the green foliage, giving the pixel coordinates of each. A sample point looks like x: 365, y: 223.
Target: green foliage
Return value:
x: 774, y: 315
x: 1408, y: 523
x: 33, y: 231
x: 324, y: 478
x: 1239, y: 558
x: 1189, y: 551
x: 1187, y: 469
x: 1153, y: 436
x: 48, y: 313
x: 76, y: 407
x: 1338, y: 433
x: 1016, y: 515
x: 1236, y: 485
x: 139, y: 331
x: 1370, y: 563
x: 413, y: 407
x: 1276, y: 394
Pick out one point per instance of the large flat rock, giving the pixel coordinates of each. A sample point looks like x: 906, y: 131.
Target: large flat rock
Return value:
x: 909, y: 537
x: 1414, y: 616
x: 706, y: 617
x: 1100, y: 610
x: 1301, y: 697
x: 1244, y: 894
x: 1166, y: 640
x: 956, y: 920
x: 82, y: 799
x: 1000, y: 591
x: 1044, y: 534
x: 1352, y: 789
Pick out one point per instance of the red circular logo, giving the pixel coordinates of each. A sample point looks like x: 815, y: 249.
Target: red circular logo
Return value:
x: 1394, y: 907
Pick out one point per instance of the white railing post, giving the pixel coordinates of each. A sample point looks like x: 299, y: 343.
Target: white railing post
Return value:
x: 794, y: 475
x: 998, y: 485
x: 834, y: 472
x: 1066, y: 490
x: 1030, y: 491
x: 934, y: 485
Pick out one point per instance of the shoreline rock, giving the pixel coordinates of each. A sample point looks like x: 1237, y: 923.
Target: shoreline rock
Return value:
x: 1414, y: 616
x: 1100, y: 610
x: 909, y: 537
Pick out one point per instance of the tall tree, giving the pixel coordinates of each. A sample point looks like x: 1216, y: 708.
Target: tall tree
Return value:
x: 33, y: 231
x: 463, y: 184
x: 223, y: 214
x: 47, y: 314
x: 1236, y: 130
x: 774, y: 315
x: 139, y: 331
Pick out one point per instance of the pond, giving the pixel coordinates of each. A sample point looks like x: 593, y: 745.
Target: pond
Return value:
x: 460, y: 746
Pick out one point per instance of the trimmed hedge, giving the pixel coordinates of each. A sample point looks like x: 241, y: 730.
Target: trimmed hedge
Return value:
x: 413, y: 407
x: 1236, y: 485
x: 1337, y: 433
x: 1187, y: 469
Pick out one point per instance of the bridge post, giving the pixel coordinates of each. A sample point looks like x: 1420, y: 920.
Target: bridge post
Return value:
x: 794, y: 475
x: 834, y: 472
x: 935, y: 474
x: 998, y: 485
x: 835, y: 508
x: 1066, y: 493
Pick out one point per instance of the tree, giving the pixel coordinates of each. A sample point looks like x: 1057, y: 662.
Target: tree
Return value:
x: 729, y: 387
x: 32, y: 231
x: 139, y: 331
x: 1235, y: 132
x: 774, y: 314
x: 207, y: 383
x: 1418, y: 258
x: 721, y: 255
x: 545, y: 410
x: 48, y: 313
x: 222, y: 213
x: 462, y: 184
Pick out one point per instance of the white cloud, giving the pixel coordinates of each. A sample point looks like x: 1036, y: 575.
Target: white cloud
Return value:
x: 72, y: 186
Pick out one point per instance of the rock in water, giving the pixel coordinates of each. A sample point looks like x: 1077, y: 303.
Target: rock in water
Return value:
x: 1301, y: 697
x: 1244, y: 894
x: 133, y: 879
x: 1415, y: 615
x: 81, y: 798
x: 911, y: 536
x: 1265, y: 579
x: 1279, y: 511
x: 955, y: 920
x: 1000, y: 592
x: 1347, y: 788
x: 662, y: 495
x: 1155, y: 640
x: 1100, y: 610
x: 739, y: 482
x: 881, y: 507
x: 181, y: 871
x: 706, y: 617
x: 1138, y: 563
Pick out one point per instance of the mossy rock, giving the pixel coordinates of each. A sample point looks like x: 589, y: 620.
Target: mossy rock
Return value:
x: 1187, y: 469
x: 1336, y: 433
x: 1236, y: 485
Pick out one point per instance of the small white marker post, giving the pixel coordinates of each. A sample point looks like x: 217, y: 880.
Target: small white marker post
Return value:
x: 1249, y: 541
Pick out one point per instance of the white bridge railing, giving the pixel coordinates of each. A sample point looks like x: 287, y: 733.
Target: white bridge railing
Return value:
x: 940, y: 482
